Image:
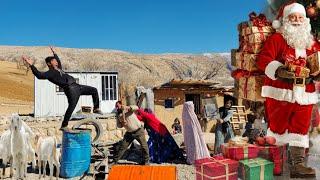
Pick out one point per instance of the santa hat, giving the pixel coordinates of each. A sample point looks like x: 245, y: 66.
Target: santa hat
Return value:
x: 285, y: 11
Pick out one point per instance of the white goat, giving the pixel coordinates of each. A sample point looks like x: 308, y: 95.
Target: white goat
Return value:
x: 29, y: 135
x: 6, y: 145
x: 47, y: 152
x: 20, y: 146
x: 5, y: 149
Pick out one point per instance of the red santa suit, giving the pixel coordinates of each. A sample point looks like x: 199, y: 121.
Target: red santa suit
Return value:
x: 288, y: 106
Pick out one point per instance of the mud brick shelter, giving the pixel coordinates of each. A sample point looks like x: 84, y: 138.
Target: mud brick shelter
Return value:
x: 169, y: 97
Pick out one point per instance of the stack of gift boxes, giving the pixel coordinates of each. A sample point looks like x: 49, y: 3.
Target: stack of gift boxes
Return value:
x: 248, y: 162
x: 313, y: 63
x: 275, y: 153
x: 248, y: 78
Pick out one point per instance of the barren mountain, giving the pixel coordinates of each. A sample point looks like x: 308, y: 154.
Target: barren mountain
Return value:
x: 147, y: 70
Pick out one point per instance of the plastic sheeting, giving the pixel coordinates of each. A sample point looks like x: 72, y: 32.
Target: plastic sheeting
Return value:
x: 148, y: 102
x: 211, y: 111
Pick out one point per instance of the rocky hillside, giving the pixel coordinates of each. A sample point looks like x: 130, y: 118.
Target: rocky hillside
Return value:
x: 134, y: 69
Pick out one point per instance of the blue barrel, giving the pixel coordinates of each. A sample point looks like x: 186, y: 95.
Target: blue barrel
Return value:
x: 76, y: 153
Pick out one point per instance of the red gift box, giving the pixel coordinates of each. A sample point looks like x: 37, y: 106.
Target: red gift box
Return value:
x: 290, y: 59
x: 277, y: 154
x: 299, y: 71
x: 240, y: 152
x: 217, y: 168
x: 298, y: 66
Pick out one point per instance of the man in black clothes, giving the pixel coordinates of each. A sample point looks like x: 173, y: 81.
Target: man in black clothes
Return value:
x: 72, y: 90
x: 223, y: 131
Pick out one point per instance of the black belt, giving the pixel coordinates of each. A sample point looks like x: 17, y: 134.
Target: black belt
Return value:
x: 70, y: 86
x: 298, y: 81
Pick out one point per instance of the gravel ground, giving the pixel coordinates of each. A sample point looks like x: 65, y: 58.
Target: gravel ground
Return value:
x: 187, y: 172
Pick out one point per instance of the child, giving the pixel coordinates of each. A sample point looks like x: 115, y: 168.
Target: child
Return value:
x: 176, y: 126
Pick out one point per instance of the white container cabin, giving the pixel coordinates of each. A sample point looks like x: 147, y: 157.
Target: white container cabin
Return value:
x: 50, y: 100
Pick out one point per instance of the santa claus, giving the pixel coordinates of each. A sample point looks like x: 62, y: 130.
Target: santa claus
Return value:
x: 289, y: 99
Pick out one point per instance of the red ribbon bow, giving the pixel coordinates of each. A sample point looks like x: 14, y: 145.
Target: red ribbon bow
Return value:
x: 239, y: 73
x: 290, y: 59
x: 259, y: 20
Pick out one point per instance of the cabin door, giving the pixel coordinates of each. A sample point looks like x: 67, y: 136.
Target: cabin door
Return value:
x: 195, y: 98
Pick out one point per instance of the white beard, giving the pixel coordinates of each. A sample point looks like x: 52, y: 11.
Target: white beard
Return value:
x: 297, y: 36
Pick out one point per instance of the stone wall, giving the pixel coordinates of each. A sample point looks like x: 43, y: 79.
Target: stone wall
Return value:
x: 51, y: 125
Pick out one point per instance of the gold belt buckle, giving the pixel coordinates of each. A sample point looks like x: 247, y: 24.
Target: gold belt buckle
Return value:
x: 298, y: 81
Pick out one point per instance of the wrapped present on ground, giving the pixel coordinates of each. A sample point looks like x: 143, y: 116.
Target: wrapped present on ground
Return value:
x: 313, y: 63
x: 217, y: 168
x: 238, y: 141
x: 277, y: 154
x: 239, y: 152
x: 250, y: 88
x: 256, y: 169
x: 246, y: 61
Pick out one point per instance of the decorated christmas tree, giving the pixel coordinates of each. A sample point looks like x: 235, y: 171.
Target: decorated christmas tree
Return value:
x: 312, y: 9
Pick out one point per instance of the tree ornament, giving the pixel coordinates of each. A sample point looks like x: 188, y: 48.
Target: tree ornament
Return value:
x: 318, y: 4
x: 312, y: 11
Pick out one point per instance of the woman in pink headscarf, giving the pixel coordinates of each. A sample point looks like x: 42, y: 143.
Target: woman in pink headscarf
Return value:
x: 193, y: 138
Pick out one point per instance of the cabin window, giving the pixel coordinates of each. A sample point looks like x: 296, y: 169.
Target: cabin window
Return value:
x: 168, y: 103
x: 109, y: 87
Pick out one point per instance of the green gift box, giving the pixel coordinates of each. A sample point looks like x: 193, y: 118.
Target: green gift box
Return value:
x: 256, y: 169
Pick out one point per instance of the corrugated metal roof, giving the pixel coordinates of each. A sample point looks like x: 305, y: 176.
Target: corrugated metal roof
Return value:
x: 186, y: 82
x: 100, y: 72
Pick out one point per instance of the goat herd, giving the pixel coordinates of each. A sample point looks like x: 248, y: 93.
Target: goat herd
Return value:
x: 19, y: 145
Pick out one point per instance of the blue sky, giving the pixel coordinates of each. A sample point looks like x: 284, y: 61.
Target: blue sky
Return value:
x: 141, y: 26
